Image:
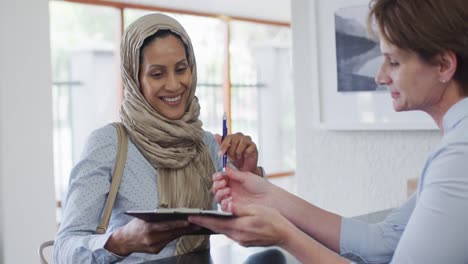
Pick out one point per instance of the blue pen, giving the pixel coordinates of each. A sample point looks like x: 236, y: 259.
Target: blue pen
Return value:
x: 225, y: 131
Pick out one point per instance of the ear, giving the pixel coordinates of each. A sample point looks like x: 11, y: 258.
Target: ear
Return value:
x: 447, y: 65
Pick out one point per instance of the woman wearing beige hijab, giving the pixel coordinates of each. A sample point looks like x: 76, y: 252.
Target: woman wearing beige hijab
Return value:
x: 170, y: 158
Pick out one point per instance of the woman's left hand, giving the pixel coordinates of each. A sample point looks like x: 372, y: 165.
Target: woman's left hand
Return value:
x: 241, y: 150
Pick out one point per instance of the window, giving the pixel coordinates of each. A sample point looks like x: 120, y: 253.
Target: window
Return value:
x: 86, y: 93
x: 261, y: 91
x: 85, y: 41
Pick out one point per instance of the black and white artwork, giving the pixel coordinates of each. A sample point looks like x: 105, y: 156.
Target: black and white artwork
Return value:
x: 347, y: 60
x: 357, y: 55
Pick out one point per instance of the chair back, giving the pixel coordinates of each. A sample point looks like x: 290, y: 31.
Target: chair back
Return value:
x: 45, y: 255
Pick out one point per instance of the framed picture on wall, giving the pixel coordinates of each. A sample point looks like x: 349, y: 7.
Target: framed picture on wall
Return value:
x: 346, y: 96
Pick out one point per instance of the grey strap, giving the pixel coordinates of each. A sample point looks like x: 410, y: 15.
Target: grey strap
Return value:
x: 116, y: 177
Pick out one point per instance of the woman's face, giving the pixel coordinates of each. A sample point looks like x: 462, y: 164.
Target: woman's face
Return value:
x: 165, y: 76
x: 413, y: 83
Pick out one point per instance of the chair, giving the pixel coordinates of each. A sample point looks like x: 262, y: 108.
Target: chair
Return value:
x: 43, y: 246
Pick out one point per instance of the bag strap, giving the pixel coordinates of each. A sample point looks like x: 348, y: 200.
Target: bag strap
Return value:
x: 116, y: 177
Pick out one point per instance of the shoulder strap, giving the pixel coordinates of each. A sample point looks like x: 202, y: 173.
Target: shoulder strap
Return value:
x: 116, y: 177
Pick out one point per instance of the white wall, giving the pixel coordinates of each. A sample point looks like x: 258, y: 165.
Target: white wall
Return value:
x: 27, y: 214
x: 353, y: 172
x: 273, y: 65
x: 96, y: 71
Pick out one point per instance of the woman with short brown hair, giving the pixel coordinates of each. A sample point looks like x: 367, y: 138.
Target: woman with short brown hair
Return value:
x: 425, y: 48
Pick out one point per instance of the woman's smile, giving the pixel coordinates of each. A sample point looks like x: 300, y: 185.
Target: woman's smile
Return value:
x: 172, y: 100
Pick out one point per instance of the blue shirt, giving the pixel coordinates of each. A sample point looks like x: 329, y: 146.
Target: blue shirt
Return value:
x: 89, y: 184
x: 431, y: 227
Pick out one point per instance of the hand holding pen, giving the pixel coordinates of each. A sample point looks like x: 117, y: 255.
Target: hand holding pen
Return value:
x: 242, y: 151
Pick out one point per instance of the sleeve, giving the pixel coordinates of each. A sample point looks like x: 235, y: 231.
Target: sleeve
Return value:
x: 375, y: 243
x: 213, y: 146
x: 89, y: 185
x: 436, y: 232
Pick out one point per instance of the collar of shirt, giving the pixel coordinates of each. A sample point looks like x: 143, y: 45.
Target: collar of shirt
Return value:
x: 455, y: 114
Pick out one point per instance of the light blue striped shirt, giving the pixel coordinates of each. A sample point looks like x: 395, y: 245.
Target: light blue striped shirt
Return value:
x: 89, y: 185
x: 431, y: 226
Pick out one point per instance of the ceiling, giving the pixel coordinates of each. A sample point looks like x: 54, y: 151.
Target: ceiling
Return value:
x: 276, y: 10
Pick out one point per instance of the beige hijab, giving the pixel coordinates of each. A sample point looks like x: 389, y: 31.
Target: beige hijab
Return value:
x: 174, y: 147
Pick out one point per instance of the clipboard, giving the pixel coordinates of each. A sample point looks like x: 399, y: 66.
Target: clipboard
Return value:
x: 172, y: 214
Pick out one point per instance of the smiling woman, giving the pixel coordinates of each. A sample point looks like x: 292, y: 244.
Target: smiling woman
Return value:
x: 84, y: 39
x: 170, y: 157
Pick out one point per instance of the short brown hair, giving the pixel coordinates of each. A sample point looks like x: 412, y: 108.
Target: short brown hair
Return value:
x: 426, y: 27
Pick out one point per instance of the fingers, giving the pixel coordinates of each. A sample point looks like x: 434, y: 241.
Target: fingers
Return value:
x: 226, y: 204
x: 162, y: 234
x: 157, y: 247
x: 221, y: 187
x: 236, y: 228
x: 141, y: 236
x: 243, y: 210
x: 246, y: 148
x: 162, y: 239
x: 222, y: 194
x: 219, y: 182
x: 237, y: 145
x: 224, y: 145
x: 235, y: 175
x: 251, y: 149
x: 212, y: 223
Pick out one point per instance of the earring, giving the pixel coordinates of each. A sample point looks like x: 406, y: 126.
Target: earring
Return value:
x: 443, y: 81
